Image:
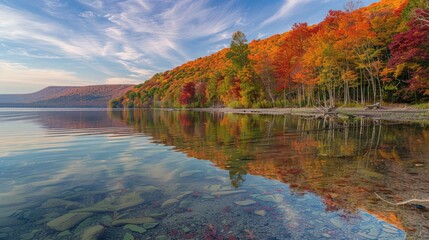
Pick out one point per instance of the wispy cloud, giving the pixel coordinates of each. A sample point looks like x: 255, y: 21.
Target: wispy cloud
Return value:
x: 87, y: 14
x: 286, y: 8
x: 20, y: 74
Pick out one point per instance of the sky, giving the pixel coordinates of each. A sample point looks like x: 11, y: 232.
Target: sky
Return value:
x: 89, y: 42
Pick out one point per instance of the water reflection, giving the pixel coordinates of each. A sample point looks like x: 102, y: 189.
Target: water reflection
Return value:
x: 116, y: 169
x: 345, y: 161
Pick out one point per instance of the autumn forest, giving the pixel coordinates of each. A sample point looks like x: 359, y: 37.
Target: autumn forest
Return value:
x: 355, y: 56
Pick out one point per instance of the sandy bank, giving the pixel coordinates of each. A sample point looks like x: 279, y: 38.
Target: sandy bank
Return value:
x: 397, y: 114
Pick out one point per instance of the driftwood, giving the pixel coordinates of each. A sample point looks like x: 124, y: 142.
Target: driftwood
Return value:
x: 377, y: 105
x: 328, y: 111
x: 403, y: 202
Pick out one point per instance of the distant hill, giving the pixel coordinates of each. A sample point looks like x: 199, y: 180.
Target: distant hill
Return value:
x: 64, y: 96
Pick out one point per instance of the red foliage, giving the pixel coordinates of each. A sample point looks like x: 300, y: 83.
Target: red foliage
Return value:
x: 410, y: 50
x: 187, y: 94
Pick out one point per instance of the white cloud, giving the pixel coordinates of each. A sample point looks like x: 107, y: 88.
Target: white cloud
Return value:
x: 261, y: 35
x: 287, y: 7
x: 87, y: 14
x: 25, y: 28
x: 96, y: 4
x: 20, y: 74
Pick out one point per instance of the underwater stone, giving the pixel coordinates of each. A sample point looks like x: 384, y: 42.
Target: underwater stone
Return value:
x: 84, y: 225
x: 336, y: 222
x: 213, y: 188
x: 150, y: 225
x: 110, y: 205
x: 277, y: 198
x: 55, y: 202
x: 161, y: 237
x: 223, y: 193
x: 30, y: 235
x: 128, y: 236
x: 183, y: 194
x: 67, y: 221
x: 64, y: 234
x: 157, y: 215
x: 106, y: 219
x: 245, y: 202
x: 189, y: 173
x: 134, y: 228
x: 93, y: 232
x: 169, y: 202
x: 185, y: 203
x: 124, y: 221
x: 147, y: 189
x: 260, y: 212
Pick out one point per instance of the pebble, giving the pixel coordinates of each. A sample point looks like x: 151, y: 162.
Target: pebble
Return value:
x: 64, y: 234
x: 128, y: 236
x: 336, y: 222
x: 326, y: 235
x: 169, y: 202
x: 161, y: 237
x: 223, y: 193
x: 260, y: 212
x: 366, y: 235
x: 134, y: 228
x: 93, y: 232
x: 150, y: 225
x: 124, y: 221
x: 246, y: 202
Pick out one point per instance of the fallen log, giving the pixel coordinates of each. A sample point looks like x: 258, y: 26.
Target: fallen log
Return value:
x: 377, y: 105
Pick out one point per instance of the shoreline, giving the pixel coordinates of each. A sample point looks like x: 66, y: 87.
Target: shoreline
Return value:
x: 394, y: 113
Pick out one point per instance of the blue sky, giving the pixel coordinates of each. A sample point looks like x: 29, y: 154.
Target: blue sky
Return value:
x: 88, y: 42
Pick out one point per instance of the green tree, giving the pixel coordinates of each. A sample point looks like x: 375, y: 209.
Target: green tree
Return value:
x: 239, y: 50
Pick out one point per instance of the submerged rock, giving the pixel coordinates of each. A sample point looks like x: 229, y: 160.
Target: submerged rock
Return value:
x: 128, y: 236
x: 213, y: 188
x: 183, y: 194
x: 161, y: 237
x: 277, y: 198
x: 141, y: 220
x: 245, y: 202
x: 189, y: 173
x: 64, y: 234
x: 93, y: 232
x: 115, y: 204
x: 30, y: 235
x: 134, y: 228
x: 56, y: 202
x: 67, y: 221
x: 169, y: 202
x: 157, y: 215
x: 260, y: 212
x: 223, y: 193
x: 150, y: 225
x: 147, y: 189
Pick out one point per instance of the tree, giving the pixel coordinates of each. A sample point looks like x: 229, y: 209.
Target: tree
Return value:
x: 187, y: 95
x: 410, y: 57
x: 239, y: 50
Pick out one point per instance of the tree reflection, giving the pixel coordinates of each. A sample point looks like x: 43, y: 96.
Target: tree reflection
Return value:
x: 342, y: 160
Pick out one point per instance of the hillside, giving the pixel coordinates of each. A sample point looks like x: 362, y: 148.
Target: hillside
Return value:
x: 63, y: 96
x: 353, y: 57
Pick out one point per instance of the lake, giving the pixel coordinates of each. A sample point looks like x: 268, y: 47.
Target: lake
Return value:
x: 155, y: 174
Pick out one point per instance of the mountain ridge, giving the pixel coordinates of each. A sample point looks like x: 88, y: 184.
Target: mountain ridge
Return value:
x: 66, y: 96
